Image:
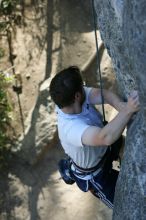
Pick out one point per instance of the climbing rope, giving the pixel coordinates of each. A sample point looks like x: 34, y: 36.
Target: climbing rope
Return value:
x: 119, y: 142
x: 98, y: 62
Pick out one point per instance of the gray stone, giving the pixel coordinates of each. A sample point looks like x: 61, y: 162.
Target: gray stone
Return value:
x: 123, y: 29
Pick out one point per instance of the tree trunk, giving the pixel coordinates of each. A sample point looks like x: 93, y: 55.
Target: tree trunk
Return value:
x: 123, y: 29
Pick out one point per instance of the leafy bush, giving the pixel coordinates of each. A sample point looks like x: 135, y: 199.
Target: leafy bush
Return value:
x: 8, y: 6
x: 2, y: 53
x: 8, y: 20
x: 4, y: 117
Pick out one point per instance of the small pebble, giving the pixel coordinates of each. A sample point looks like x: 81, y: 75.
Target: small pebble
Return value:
x: 28, y: 76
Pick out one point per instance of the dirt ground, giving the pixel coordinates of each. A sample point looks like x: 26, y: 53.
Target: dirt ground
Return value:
x: 37, y: 192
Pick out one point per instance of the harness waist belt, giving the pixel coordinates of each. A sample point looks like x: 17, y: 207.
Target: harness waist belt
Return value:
x: 90, y: 170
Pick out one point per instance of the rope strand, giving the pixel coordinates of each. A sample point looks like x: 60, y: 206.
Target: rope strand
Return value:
x: 98, y: 62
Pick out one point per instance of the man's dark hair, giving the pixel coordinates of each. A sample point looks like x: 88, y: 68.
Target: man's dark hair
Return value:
x: 64, y: 86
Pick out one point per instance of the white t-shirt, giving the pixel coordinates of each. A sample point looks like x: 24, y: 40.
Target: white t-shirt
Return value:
x: 71, y: 128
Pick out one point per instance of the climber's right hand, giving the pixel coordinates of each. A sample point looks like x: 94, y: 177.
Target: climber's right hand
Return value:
x: 133, y: 104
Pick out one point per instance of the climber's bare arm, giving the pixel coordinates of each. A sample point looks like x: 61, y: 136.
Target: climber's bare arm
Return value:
x: 109, y: 98
x: 95, y: 136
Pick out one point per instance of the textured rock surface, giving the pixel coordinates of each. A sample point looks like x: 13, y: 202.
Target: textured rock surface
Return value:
x: 123, y: 29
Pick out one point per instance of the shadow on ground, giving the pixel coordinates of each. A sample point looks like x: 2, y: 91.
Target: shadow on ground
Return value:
x: 32, y: 178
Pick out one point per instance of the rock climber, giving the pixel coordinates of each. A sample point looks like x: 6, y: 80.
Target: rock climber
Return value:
x: 90, y: 145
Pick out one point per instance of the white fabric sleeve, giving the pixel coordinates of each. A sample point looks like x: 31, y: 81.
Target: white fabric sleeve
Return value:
x: 75, y: 132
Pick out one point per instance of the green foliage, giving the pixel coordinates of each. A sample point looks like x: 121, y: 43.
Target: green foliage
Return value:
x: 4, y: 118
x: 2, y: 53
x: 8, y: 6
x: 9, y: 17
x: 3, y: 26
x: 4, y: 105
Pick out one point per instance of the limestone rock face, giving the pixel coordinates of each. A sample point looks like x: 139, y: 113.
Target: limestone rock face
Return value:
x: 123, y: 29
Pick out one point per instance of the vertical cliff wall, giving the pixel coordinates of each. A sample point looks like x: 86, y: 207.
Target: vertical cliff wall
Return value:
x: 122, y: 24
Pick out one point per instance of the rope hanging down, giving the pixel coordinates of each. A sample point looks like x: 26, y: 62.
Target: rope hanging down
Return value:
x: 98, y: 61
